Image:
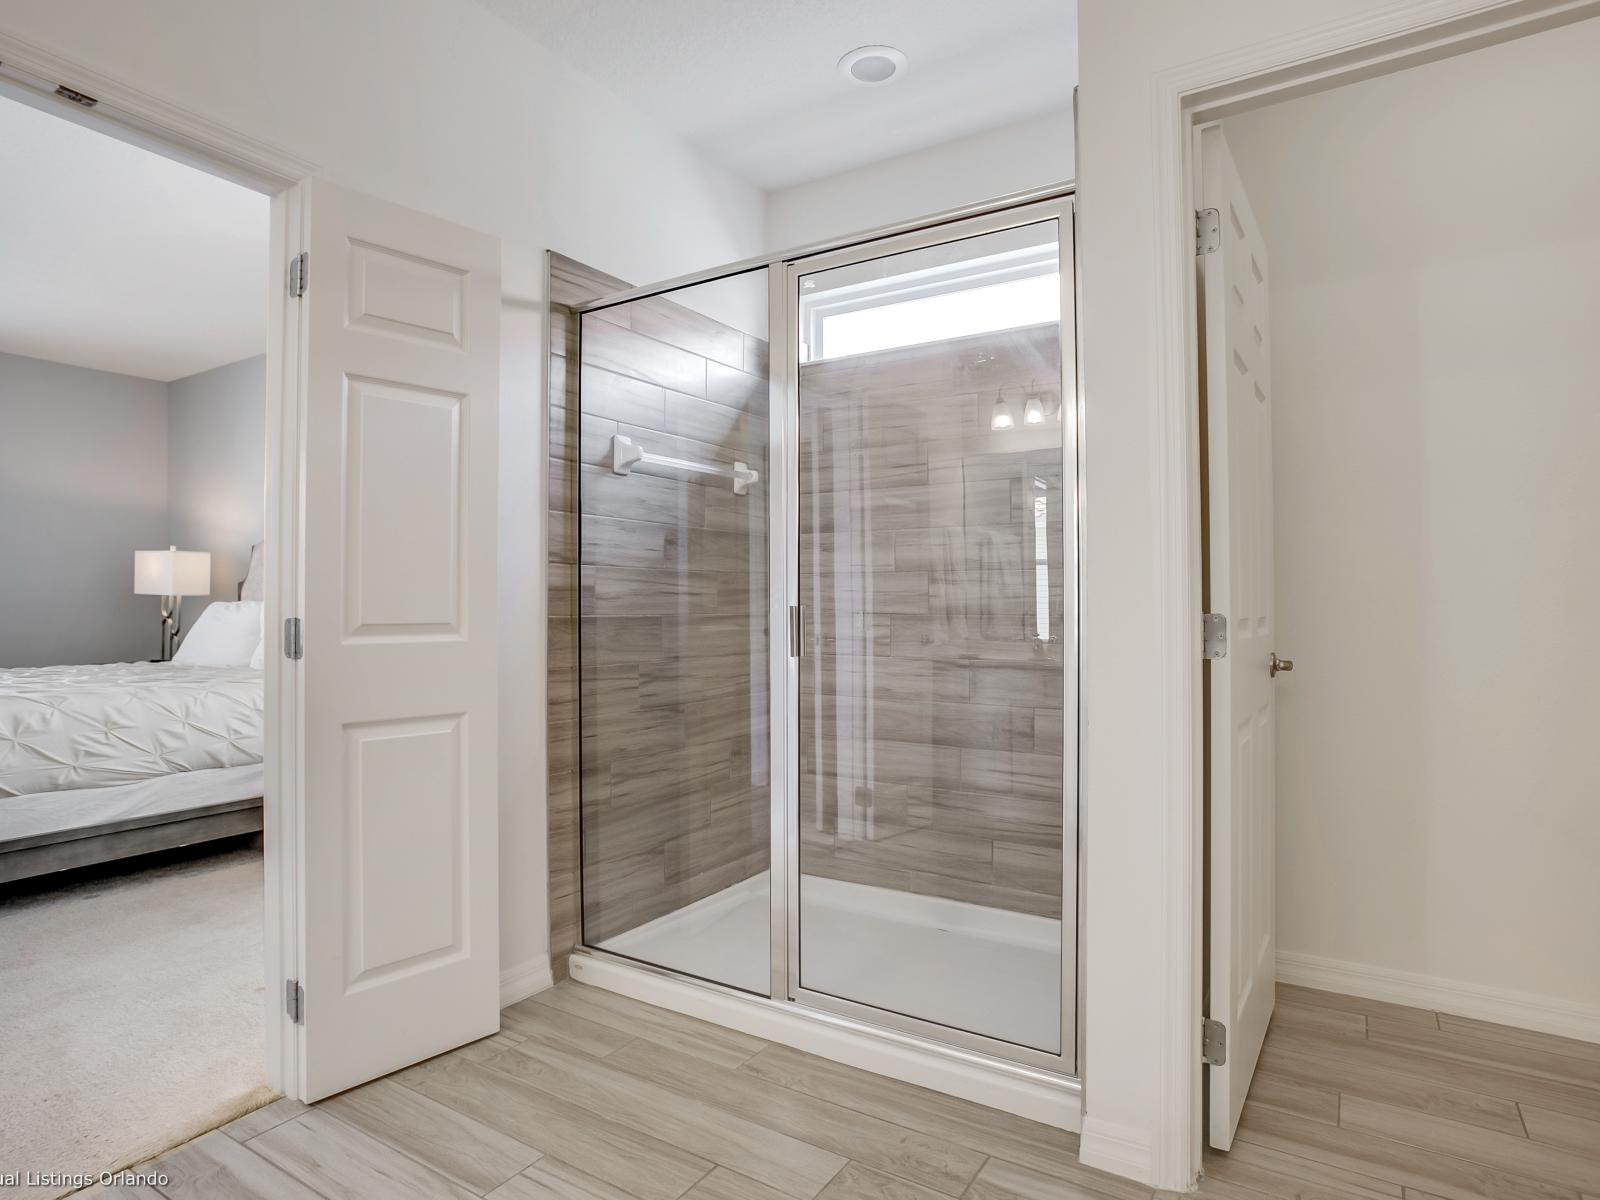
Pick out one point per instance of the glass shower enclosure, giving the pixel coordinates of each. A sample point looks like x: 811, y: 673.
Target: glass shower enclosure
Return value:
x: 828, y: 632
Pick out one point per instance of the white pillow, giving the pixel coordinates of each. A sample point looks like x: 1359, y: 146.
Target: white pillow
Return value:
x: 226, y: 635
x: 258, y: 660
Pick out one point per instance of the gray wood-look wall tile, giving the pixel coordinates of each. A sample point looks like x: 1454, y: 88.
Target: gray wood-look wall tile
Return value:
x: 926, y: 612
x: 673, y: 567
x: 625, y: 352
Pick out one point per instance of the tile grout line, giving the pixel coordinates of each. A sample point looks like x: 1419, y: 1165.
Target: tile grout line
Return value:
x: 406, y: 1152
x: 832, y: 1179
x: 973, y: 1181
x: 704, y: 1175
x: 1412, y: 1147
x: 912, y: 1129
x: 247, y: 1145
x: 523, y: 1174
x: 1314, y: 1166
x: 786, y: 1133
x: 1453, y: 1051
x: 488, y: 1065
x: 255, y: 1112
x: 1471, y: 1036
x: 807, y: 1096
x: 1441, y: 1056
x: 274, y: 1166
x: 1515, y: 1173
x: 845, y: 1104
x: 927, y: 1187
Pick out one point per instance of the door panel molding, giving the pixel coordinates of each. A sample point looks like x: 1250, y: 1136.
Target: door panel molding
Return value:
x: 398, y: 719
x: 1238, y: 407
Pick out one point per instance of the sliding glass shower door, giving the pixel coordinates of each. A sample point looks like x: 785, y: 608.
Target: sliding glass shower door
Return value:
x: 936, y: 583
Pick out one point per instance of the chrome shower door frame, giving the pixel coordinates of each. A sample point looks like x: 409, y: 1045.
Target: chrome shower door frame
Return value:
x: 783, y: 460
x: 1055, y: 1070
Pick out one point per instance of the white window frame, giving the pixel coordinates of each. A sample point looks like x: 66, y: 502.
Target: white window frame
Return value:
x: 1028, y: 262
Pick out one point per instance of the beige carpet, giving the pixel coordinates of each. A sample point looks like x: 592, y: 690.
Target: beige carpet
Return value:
x: 130, y: 1013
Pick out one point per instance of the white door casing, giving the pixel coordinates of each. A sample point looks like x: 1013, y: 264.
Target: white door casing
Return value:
x: 399, y: 363
x: 1243, y: 730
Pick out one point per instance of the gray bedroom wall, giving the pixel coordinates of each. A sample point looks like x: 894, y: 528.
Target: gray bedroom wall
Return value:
x: 216, y: 461
x: 83, y: 484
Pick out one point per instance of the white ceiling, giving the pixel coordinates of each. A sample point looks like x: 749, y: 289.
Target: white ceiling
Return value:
x: 118, y: 259
x: 753, y: 83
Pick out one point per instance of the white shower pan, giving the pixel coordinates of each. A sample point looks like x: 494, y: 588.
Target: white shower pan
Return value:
x: 970, y: 967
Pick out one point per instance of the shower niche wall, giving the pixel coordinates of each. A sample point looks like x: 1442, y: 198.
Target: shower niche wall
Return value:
x: 828, y: 630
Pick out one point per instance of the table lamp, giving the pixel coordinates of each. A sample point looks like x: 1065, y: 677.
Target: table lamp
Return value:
x: 171, y: 574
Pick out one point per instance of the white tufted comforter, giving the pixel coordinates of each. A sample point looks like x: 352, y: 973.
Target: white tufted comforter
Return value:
x: 96, y: 726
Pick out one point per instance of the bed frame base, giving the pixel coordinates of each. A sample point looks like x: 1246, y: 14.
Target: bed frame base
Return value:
x: 62, y: 850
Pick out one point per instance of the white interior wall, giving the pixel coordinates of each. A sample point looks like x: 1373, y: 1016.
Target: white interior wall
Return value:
x: 1033, y: 153
x: 216, y: 462
x: 97, y: 465
x: 83, y: 484
x: 439, y: 105
x: 1435, y: 300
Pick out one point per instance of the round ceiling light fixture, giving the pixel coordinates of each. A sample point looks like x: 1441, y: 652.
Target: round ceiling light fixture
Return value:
x: 872, y: 65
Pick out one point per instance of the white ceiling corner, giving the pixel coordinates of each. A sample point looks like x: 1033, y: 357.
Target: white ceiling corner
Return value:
x: 121, y: 260
x: 753, y: 84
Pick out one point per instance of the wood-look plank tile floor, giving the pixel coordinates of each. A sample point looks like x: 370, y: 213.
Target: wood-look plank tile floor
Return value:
x: 586, y: 1095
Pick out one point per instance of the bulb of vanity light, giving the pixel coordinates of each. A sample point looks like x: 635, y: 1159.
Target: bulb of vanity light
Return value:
x: 1033, y: 411
x: 1002, y: 418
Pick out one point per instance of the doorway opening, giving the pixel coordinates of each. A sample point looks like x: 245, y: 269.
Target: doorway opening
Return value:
x: 133, y: 389
x: 1396, y: 287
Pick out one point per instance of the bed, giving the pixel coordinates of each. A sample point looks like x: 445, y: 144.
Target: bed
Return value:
x: 105, y: 761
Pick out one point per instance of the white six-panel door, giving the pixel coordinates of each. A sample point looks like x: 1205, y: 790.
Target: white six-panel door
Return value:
x: 398, y: 907
x: 1239, y: 446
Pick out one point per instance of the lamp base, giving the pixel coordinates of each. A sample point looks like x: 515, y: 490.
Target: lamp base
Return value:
x: 171, y: 625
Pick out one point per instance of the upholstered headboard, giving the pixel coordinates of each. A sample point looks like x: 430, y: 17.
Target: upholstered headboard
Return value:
x: 251, y: 588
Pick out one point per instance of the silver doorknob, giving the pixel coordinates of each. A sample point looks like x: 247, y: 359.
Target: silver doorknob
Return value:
x: 1276, y: 664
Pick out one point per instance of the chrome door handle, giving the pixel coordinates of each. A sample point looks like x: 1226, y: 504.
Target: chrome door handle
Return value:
x: 1276, y: 664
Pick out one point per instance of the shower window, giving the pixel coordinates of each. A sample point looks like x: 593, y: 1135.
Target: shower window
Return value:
x: 871, y: 306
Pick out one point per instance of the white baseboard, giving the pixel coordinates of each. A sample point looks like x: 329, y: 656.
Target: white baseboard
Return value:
x: 1052, y: 1100
x: 1525, y: 1010
x: 521, y: 981
x: 1119, y: 1149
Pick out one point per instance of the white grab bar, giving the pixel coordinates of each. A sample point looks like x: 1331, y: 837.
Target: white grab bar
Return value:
x: 626, y: 453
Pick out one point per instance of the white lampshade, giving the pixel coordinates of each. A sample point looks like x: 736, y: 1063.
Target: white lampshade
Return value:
x: 171, y: 572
